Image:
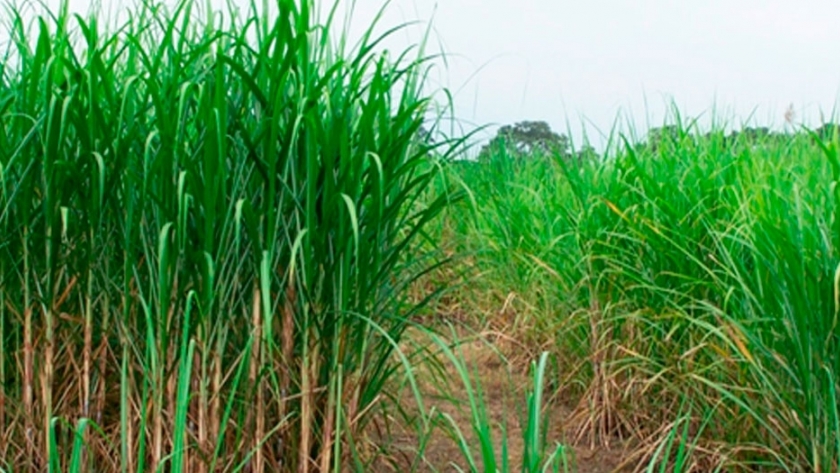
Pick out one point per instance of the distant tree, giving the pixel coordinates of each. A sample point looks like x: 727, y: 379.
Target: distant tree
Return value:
x: 658, y: 136
x: 716, y: 137
x: 752, y: 135
x: 527, y: 138
x: 586, y: 154
x: 828, y: 131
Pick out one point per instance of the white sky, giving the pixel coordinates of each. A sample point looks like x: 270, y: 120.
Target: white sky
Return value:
x: 571, y: 62
x: 588, y: 62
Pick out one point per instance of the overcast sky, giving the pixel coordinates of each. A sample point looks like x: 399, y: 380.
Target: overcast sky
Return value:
x: 588, y: 62
x: 574, y: 62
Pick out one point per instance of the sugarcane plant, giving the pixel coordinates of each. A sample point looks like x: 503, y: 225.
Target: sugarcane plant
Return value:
x: 209, y: 220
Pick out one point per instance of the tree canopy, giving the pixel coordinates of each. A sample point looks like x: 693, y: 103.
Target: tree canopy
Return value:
x: 528, y: 138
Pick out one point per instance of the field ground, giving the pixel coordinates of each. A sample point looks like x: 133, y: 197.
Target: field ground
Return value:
x: 499, y: 364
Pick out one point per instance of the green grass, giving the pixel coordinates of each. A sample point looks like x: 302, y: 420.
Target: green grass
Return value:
x: 702, y: 268
x: 208, y: 225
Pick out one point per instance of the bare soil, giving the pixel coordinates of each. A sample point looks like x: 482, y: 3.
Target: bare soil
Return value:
x: 504, y: 384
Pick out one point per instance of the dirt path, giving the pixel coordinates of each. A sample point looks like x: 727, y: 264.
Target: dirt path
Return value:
x: 504, y: 387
